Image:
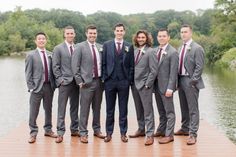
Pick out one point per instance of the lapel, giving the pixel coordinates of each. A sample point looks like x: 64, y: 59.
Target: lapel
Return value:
x: 142, y: 53
x: 123, y: 50
x: 99, y: 47
x: 39, y: 58
x: 89, y: 50
x: 67, y: 53
x: 188, y: 52
x: 163, y: 56
x: 113, y: 48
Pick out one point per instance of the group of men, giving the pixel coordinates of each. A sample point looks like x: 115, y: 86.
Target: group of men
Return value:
x: 86, y: 69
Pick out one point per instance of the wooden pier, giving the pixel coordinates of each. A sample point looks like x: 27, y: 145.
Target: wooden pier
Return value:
x: 211, y: 143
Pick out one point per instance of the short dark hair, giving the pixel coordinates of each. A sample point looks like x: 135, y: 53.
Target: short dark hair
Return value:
x: 68, y: 27
x: 119, y: 25
x: 148, y: 36
x: 163, y: 30
x: 187, y: 25
x: 40, y: 33
x: 90, y: 27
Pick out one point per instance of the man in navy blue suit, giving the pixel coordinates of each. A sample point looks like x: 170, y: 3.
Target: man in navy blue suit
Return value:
x: 118, y: 71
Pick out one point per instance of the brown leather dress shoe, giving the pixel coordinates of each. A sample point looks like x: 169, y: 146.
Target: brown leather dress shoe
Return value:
x: 50, y: 134
x: 124, y: 138
x: 166, y: 139
x: 32, y: 139
x: 108, y: 138
x: 137, y: 134
x: 59, y: 139
x: 99, y: 135
x: 149, y: 141
x: 84, y: 139
x: 159, y: 134
x: 75, y: 134
x: 180, y: 132
x: 191, y: 140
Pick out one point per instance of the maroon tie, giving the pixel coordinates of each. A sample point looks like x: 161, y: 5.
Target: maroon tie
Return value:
x: 45, y: 67
x: 137, y: 57
x: 95, y: 65
x: 119, y: 48
x: 181, y: 60
x: 71, y: 50
x: 159, y: 55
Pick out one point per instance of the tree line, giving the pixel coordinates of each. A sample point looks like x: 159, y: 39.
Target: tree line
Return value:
x: 214, y: 29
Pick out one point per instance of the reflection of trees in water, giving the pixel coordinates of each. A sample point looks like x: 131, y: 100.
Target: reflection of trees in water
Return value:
x: 224, y: 85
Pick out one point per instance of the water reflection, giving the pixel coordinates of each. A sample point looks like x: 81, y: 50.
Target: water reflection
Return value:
x: 223, y: 83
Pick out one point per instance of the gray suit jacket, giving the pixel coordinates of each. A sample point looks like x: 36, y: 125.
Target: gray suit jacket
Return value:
x: 34, y: 71
x: 167, y: 75
x: 194, y: 63
x: 82, y: 62
x: 61, y: 61
x: 146, y: 69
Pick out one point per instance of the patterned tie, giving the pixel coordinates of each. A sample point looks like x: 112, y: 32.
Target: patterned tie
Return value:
x: 45, y: 67
x: 159, y: 54
x: 181, y: 60
x: 71, y: 50
x: 137, y: 57
x: 119, y: 48
x: 95, y: 65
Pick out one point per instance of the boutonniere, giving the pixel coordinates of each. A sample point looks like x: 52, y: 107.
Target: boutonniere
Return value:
x: 49, y: 56
x: 126, y: 49
x: 188, y: 48
x: 100, y: 49
x: 143, y: 51
x: 164, y: 53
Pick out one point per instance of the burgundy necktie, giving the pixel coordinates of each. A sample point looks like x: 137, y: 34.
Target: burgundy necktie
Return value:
x: 181, y: 60
x: 159, y: 55
x: 71, y: 50
x: 95, y: 65
x: 45, y: 67
x: 137, y: 57
x: 119, y: 47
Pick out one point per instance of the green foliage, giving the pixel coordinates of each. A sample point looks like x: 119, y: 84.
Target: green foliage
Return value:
x: 226, y: 58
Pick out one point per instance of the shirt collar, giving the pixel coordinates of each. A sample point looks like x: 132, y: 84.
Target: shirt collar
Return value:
x: 68, y: 45
x: 119, y: 41
x: 90, y: 44
x: 40, y: 50
x: 164, y: 47
x: 188, y: 42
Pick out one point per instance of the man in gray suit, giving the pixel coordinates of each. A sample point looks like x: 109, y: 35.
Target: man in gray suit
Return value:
x: 41, y: 85
x: 144, y: 75
x: 165, y: 85
x: 191, y: 62
x: 86, y: 67
x: 62, y: 70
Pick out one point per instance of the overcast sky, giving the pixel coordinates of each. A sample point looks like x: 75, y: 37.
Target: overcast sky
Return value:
x: 123, y: 7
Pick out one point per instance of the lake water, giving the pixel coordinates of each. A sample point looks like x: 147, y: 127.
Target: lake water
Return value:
x: 217, y: 100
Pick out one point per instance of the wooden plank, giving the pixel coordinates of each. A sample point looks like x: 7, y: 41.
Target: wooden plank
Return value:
x: 210, y: 143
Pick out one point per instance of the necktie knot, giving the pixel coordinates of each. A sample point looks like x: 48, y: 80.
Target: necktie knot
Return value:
x: 118, y: 47
x: 159, y: 54
x: 43, y: 52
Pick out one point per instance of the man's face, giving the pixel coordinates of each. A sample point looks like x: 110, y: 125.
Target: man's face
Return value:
x: 163, y: 38
x: 119, y: 32
x: 186, y: 34
x: 40, y: 41
x: 69, y: 35
x: 91, y: 35
x: 141, y: 39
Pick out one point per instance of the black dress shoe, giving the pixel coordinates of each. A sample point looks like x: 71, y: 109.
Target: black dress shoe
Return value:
x: 124, y: 138
x: 108, y: 138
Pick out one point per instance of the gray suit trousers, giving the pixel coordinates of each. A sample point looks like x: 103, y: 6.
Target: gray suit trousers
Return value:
x: 165, y: 106
x: 144, y: 109
x: 46, y: 93
x: 90, y: 94
x: 70, y: 91
x: 188, y: 96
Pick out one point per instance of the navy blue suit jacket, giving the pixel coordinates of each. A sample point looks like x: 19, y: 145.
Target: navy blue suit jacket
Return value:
x: 108, y: 60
